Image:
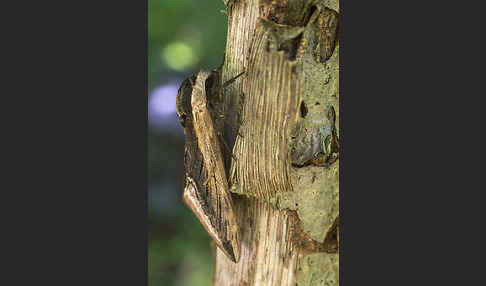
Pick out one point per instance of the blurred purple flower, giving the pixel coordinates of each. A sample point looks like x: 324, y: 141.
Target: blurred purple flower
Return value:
x: 162, y: 108
x: 162, y: 100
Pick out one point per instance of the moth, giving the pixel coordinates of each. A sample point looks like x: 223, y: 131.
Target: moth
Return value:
x: 206, y: 190
x: 327, y: 34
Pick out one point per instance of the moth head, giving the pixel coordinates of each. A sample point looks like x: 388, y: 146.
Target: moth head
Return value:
x: 183, y: 100
x: 212, y: 83
x: 182, y: 119
x: 198, y: 97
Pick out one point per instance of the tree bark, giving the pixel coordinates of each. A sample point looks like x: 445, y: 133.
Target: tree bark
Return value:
x: 275, y: 117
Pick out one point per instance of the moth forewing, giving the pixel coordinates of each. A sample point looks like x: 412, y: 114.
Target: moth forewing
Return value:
x: 200, y: 209
x: 206, y: 135
x: 215, y: 207
x: 327, y: 35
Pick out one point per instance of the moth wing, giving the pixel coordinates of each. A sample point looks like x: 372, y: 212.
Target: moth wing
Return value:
x: 215, y: 226
x: 328, y: 29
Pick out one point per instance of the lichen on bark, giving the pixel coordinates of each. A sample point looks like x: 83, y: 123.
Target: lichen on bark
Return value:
x: 278, y: 204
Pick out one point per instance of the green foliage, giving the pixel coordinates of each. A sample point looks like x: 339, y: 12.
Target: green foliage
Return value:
x: 198, y: 25
x: 179, y: 253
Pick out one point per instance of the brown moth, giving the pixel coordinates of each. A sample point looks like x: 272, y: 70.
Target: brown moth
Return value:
x: 327, y: 24
x: 206, y: 190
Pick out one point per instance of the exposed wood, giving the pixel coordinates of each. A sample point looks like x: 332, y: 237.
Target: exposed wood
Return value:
x: 288, y: 215
x: 268, y: 255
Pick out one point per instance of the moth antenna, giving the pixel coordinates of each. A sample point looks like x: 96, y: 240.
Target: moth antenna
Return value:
x: 231, y: 80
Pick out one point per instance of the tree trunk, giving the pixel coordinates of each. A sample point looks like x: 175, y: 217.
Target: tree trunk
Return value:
x: 278, y: 117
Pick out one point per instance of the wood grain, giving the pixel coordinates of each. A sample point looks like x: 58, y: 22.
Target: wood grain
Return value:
x: 269, y: 114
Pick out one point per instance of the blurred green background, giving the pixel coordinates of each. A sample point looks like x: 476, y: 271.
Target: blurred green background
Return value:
x: 184, y: 36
